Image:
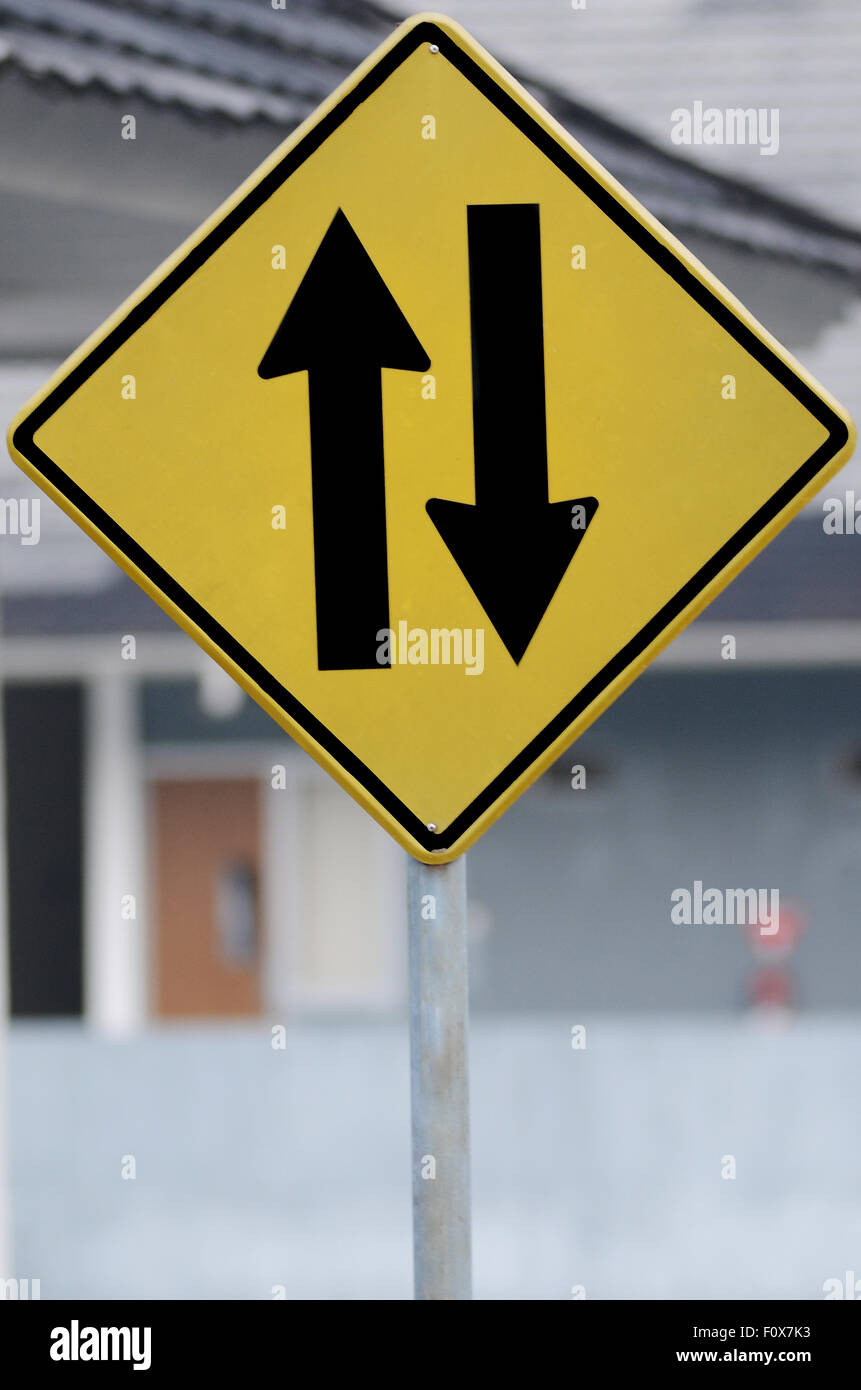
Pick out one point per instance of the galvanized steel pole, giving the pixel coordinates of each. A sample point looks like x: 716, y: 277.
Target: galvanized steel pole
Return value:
x: 6, y: 1271
x: 439, y: 1004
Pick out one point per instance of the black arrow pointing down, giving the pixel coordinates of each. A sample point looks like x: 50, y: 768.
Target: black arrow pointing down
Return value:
x: 514, y: 545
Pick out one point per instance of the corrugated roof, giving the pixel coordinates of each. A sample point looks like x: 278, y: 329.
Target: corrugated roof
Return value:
x: 71, y: 61
x: 222, y: 58
x: 272, y: 65
x: 804, y: 574
x: 118, y: 607
x: 243, y: 61
x: 638, y: 60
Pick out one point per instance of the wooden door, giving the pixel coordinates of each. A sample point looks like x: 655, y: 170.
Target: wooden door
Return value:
x: 207, y: 898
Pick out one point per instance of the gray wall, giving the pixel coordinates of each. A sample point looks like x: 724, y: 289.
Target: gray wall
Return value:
x: 739, y: 779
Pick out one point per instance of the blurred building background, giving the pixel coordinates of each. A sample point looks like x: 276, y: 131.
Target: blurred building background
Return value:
x: 173, y: 856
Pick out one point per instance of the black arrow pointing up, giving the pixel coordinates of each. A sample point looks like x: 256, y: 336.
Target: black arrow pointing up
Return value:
x: 514, y: 545
x: 342, y: 327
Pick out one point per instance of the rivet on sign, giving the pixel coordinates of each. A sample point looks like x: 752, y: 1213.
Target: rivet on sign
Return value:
x: 431, y: 827
x: 434, y: 47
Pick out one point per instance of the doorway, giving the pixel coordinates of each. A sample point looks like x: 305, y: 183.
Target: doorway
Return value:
x: 207, y: 897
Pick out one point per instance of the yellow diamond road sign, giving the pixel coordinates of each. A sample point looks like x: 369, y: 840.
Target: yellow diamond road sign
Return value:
x: 432, y: 437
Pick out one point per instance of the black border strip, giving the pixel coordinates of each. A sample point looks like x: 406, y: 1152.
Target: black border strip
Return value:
x: 427, y: 32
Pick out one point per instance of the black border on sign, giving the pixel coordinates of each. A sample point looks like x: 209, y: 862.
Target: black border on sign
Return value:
x: 428, y: 32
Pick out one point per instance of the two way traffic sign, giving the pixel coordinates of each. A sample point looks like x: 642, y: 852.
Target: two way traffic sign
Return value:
x: 432, y: 437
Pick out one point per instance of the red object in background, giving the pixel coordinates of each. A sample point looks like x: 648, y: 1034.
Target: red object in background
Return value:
x: 776, y: 945
x: 773, y: 988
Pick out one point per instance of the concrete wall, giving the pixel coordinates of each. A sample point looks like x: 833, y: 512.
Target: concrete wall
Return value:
x: 602, y: 1168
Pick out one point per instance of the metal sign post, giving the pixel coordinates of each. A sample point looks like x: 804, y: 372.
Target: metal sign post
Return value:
x: 5, y: 995
x: 439, y: 1005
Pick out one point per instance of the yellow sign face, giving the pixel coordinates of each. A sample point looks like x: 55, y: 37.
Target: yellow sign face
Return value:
x: 432, y: 437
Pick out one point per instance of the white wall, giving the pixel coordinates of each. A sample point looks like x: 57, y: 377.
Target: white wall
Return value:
x: 335, y: 899
x: 115, y: 958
